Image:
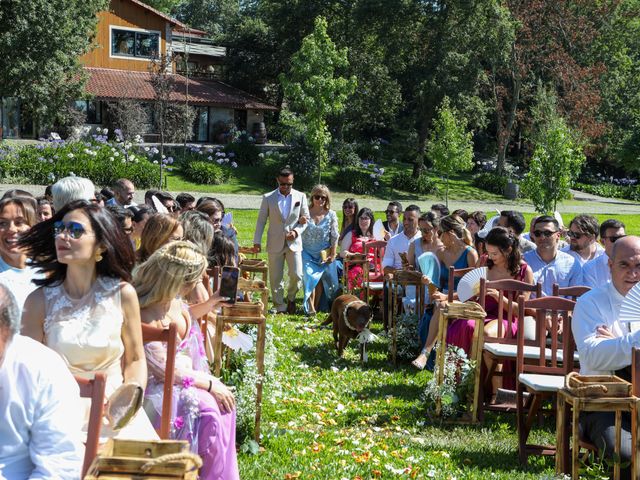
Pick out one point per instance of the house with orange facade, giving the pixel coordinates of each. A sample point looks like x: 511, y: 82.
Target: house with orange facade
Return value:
x: 129, y: 36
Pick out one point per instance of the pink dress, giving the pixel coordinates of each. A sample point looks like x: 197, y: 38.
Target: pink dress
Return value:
x: 196, y: 415
x: 356, y: 277
x: 460, y: 332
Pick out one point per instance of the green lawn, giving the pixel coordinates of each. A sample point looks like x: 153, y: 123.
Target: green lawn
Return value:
x: 333, y: 418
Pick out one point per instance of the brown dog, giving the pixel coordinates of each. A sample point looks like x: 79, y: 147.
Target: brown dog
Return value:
x: 350, y: 316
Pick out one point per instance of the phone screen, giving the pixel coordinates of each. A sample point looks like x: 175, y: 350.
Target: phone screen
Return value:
x: 229, y: 283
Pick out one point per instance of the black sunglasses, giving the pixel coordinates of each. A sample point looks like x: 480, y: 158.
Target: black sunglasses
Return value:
x: 613, y: 238
x: 390, y: 212
x: 545, y: 233
x: 319, y: 197
x: 576, y: 235
x: 285, y: 184
x: 74, y: 229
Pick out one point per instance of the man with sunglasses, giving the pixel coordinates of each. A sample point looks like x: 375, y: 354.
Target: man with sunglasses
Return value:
x: 392, y: 225
x: 549, y: 264
x: 605, y: 344
x: 596, y: 272
x: 287, y: 211
x: 583, y: 239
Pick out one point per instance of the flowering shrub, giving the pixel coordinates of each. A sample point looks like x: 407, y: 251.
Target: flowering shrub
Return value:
x: 363, y: 179
x: 407, y: 338
x: 610, y: 190
x: 96, y: 158
x: 459, y: 375
x: 243, y: 147
x: 343, y: 154
x: 420, y: 184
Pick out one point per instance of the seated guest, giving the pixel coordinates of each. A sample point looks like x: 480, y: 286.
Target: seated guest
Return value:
x: 98, y: 199
x: 168, y: 202
x: 186, y: 202
x: 440, y: 209
x: 605, y: 345
x: 358, y: 237
x: 399, y: 244
x: 47, y: 193
x: 124, y: 217
x: 45, y: 209
x: 214, y: 209
x: 392, y: 225
x: 583, y: 239
x: 85, y: 309
x: 16, y: 192
x: 596, y: 272
x: 529, y: 234
x: 476, y: 221
x: 222, y: 252
x: 349, y: 214
x: 319, y: 250
x: 462, y: 213
x: 141, y: 214
x: 456, y: 251
x: 17, y: 216
x: 107, y: 194
x: 205, y: 411
x: 68, y: 189
x: 549, y: 264
x: 514, y: 222
x: 123, y: 192
x: 39, y: 405
x: 199, y: 231
x: 428, y: 241
x: 159, y: 230
x: 148, y: 198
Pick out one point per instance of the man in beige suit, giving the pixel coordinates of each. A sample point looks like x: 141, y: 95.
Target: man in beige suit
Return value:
x: 284, y: 207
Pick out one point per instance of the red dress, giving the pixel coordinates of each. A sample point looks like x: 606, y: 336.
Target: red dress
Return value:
x: 355, y: 276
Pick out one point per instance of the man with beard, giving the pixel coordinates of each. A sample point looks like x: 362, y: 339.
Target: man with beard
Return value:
x: 550, y: 265
x: 583, y: 239
x: 596, y: 273
x: 392, y: 225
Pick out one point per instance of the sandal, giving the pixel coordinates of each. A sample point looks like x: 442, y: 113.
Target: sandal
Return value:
x: 421, y: 361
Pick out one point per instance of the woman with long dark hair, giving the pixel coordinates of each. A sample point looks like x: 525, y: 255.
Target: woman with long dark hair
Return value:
x: 85, y: 308
x: 362, y: 233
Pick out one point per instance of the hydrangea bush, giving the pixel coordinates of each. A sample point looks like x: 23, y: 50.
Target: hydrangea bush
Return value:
x: 101, y: 160
x: 362, y: 179
x: 206, y: 165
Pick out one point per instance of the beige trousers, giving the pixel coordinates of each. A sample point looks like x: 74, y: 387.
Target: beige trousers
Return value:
x: 276, y: 276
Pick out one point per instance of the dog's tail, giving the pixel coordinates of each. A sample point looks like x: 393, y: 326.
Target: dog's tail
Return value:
x: 327, y: 321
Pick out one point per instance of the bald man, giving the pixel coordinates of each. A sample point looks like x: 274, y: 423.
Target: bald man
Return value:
x: 605, y: 344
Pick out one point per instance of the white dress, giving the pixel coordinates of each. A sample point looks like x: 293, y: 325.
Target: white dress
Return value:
x: 87, y: 333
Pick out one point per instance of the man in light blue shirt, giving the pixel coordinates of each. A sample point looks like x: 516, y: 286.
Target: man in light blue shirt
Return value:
x: 550, y: 265
x: 595, y: 272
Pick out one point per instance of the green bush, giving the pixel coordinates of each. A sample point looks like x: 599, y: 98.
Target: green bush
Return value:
x: 491, y: 182
x: 364, y: 179
x: 609, y: 190
x: 243, y: 151
x: 98, y: 160
x: 205, y: 173
x: 423, y: 183
x: 343, y: 154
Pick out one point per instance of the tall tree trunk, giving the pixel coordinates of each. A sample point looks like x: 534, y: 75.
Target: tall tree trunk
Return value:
x: 505, y: 129
x: 423, y: 132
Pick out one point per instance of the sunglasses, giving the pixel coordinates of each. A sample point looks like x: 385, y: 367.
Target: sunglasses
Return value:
x: 285, y: 184
x: 544, y: 233
x: 390, y: 212
x: 319, y: 197
x: 613, y: 238
x: 576, y: 235
x: 74, y: 229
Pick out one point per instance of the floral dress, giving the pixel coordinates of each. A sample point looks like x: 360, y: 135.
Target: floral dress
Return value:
x: 196, y: 416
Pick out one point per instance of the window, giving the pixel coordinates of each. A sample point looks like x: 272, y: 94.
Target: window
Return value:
x: 132, y: 43
x: 91, y: 108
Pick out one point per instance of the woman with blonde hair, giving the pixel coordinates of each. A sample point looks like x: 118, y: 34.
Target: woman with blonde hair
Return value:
x: 204, y: 413
x: 457, y: 251
x: 319, y: 246
x: 159, y: 230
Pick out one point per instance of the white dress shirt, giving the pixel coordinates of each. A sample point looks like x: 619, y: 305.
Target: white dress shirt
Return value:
x: 397, y: 244
x: 284, y: 204
x: 41, y: 412
x: 19, y: 281
x: 602, y: 356
x: 563, y: 270
x: 596, y: 272
x: 576, y: 255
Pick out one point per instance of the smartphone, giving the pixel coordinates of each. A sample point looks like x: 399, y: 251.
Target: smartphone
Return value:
x: 229, y: 283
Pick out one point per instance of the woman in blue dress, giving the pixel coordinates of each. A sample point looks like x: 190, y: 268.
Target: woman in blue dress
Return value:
x: 319, y: 245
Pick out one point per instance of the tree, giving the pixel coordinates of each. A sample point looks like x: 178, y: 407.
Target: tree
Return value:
x: 314, y: 89
x: 450, y: 147
x: 163, y: 83
x: 40, y: 46
x: 556, y: 163
x: 165, y: 6
x: 129, y: 116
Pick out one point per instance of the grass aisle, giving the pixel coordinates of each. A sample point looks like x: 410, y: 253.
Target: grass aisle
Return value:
x: 335, y: 419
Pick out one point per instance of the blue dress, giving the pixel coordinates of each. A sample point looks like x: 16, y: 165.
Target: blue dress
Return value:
x: 316, y: 238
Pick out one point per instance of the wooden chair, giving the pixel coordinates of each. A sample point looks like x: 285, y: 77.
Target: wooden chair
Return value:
x: 398, y: 283
x: 543, y: 376
x: 570, y: 406
x: 170, y: 337
x: 94, y: 389
x: 573, y: 292
x: 252, y: 266
x: 373, y: 279
x: 453, y: 274
x: 502, y: 347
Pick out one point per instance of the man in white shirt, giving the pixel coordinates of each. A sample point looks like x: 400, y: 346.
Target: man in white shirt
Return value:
x: 392, y: 225
x: 399, y: 244
x: 604, y: 344
x: 583, y: 239
x: 596, y: 272
x: 550, y: 265
x: 287, y: 212
x: 40, y: 431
